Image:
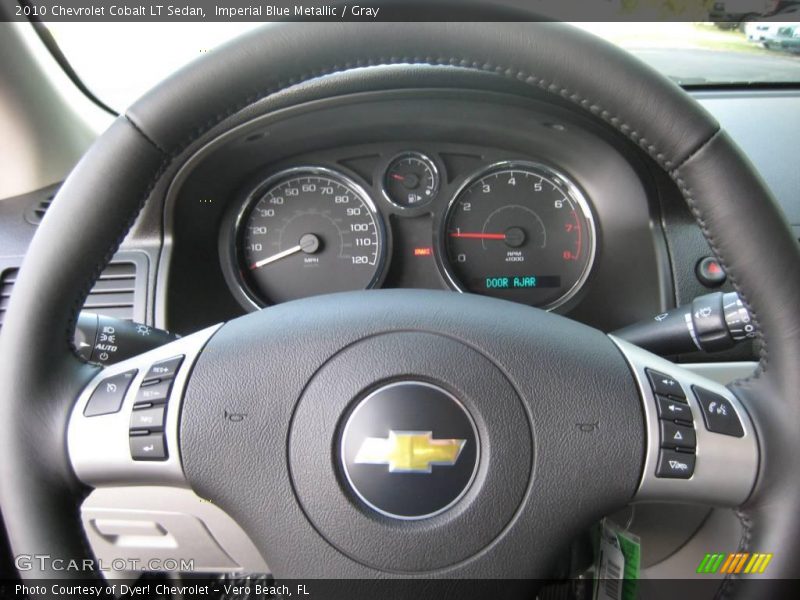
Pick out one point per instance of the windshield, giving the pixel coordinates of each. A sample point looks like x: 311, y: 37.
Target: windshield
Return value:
x: 118, y: 62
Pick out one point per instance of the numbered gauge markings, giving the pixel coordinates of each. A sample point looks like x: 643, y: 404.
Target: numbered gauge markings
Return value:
x: 519, y: 231
x: 308, y: 231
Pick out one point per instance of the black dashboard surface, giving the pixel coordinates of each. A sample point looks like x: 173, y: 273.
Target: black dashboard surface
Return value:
x: 647, y: 242
x: 463, y: 132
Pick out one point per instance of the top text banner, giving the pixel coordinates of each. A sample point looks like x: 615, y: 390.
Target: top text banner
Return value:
x: 375, y: 10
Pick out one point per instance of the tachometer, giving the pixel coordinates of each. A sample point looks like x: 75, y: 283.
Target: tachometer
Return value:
x: 519, y: 231
x: 307, y: 231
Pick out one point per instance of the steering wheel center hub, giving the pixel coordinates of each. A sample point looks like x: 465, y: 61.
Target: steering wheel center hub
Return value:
x: 409, y: 450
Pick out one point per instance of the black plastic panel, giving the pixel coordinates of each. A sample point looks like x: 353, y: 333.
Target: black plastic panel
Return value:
x: 462, y: 132
x: 122, y: 291
x: 687, y: 246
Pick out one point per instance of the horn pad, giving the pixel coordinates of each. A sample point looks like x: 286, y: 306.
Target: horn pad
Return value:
x: 555, y: 415
x: 360, y: 435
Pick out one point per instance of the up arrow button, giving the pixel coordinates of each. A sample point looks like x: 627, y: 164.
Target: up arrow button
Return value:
x: 674, y: 435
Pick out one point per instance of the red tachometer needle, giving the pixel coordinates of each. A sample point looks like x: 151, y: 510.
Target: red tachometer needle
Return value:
x: 478, y: 236
x: 397, y: 177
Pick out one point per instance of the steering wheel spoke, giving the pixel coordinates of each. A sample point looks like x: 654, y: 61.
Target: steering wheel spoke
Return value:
x: 123, y: 429
x: 701, y: 443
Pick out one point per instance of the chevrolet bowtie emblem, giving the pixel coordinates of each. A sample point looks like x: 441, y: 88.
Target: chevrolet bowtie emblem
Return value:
x: 409, y: 451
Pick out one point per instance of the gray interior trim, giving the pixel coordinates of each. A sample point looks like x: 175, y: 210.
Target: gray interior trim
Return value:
x: 154, y: 524
x: 713, y: 482
x: 141, y: 514
x: 722, y: 372
x: 98, y: 445
x: 46, y: 123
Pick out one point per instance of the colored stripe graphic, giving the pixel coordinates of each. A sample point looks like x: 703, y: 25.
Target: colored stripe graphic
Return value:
x: 763, y: 565
x: 712, y: 559
x: 728, y: 562
x: 703, y: 564
x: 710, y: 563
x: 734, y: 563
x: 740, y: 562
x: 753, y: 561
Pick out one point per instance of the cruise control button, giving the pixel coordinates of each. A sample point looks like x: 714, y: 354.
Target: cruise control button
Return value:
x: 677, y: 436
x: 718, y: 413
x: 149, y: 418
x: 165, y: 369
x: 148, y: 447
x: 665, y: 385
x: 675, y: 465
x: 673, y: 410
x: 157, y: 392
x: 109, y: 394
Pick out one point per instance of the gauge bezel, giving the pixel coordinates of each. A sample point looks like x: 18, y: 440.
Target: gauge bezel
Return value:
x: 565, y: 184
x: 431, y: 164
x: 247, y: 297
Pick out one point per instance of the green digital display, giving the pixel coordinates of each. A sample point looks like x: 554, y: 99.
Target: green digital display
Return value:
x: 520, y: 282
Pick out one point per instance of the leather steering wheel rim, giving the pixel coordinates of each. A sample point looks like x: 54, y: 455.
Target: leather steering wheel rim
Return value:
x: 39, y: 493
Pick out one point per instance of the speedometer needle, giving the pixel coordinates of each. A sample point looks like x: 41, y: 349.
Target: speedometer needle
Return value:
x: 278, y: 256
x: 309, y: 244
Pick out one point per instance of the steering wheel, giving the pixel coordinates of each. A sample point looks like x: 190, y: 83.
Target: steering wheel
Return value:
x: 510, y: 429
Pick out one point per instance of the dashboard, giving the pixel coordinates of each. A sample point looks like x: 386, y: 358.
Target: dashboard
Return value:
x: 633, y: 245
x: 468, y: 191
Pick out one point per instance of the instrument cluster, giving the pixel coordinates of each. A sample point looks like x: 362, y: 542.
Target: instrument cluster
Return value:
x: 513, y: 228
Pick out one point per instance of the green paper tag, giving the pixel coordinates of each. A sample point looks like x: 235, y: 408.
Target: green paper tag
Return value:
x: 617, y: 566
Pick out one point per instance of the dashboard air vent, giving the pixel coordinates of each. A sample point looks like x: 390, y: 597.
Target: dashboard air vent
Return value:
x: 112, y: 294
x: 37, y: 210
x: 7, y: 279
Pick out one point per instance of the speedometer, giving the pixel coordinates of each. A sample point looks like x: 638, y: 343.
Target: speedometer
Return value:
x: 307, y: 231
x: 519, y: 231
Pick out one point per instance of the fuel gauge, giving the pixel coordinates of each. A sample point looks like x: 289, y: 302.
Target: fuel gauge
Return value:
x: 411, y: 180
